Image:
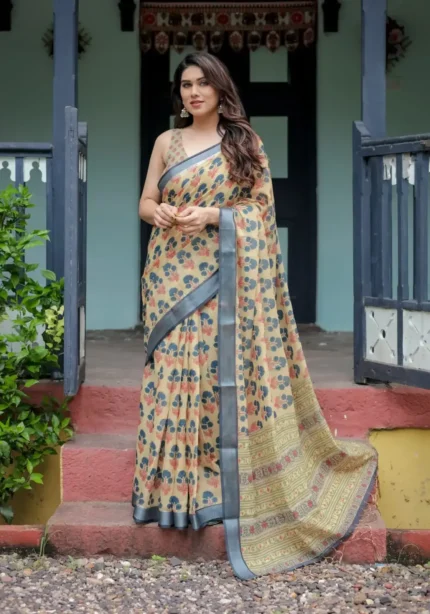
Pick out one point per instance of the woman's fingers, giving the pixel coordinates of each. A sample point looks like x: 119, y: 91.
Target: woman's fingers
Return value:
x: 167, y: 211
x: 162, y: 221
x: 165, y: 217
x: 187, y: 215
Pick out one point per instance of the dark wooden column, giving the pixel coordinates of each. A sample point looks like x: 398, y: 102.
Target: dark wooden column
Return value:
x: 373, y: 80
x: 65, y: 94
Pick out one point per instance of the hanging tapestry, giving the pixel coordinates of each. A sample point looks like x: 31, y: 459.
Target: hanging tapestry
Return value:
x: 210, y: 25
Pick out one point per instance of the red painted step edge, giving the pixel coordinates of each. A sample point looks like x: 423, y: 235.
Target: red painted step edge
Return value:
x: 350, y: 412
x: 21, y: 536
x: 98, y: 468
x: 108, y: 528
x: 89, y: 529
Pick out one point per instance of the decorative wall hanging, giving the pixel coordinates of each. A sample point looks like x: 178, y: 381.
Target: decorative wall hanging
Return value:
x: 84, y: 40
x: 397, y: 43
x: 210, y: 25
x: 331, y: 10
x: 6, y: 7
x: 127, y: 9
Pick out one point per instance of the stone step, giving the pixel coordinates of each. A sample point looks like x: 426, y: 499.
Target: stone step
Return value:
x: 107, y: 461
x: 98, y: 467
x: 95, y: 528
x: 350, y: 412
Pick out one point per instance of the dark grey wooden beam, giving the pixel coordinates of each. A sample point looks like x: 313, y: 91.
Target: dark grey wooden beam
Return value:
x: 373, y: 71
x: 65, y: 94
x: 127, y: 10
x: 6, y: 7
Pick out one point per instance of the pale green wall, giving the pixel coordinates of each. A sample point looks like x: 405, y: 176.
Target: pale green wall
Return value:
x: 339, y: 66
x: 109, y: 93
x: 109, y: 101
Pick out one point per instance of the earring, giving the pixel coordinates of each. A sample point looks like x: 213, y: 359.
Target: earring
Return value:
x: 220, y: 108
x: 184, y: 113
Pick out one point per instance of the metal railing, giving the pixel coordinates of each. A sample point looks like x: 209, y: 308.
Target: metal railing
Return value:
x: 391, y: 258
x: 75, y: 249
x: 17, y: 163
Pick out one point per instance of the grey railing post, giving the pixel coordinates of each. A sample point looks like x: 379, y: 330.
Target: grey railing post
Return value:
x: 71, y: 251
x: 64, y: 94
x: 373, y: 53
x: 361, y: 244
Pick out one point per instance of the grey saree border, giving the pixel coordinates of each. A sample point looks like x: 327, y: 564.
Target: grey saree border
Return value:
x: 182, y: 166
x: 228, y: 419
x: 176, y: 520
x: 185, y: 307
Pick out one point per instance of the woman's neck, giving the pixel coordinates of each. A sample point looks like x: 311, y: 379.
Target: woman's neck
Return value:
x: 209, y: 123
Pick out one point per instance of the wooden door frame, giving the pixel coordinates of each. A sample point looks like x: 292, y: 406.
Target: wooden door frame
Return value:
x: 150, y: 100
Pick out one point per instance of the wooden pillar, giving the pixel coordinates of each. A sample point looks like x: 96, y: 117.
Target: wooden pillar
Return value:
x: 65, y: 94
x: 373, y: 71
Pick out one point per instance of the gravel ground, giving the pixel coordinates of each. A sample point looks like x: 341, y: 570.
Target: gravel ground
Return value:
x: 45, y: 585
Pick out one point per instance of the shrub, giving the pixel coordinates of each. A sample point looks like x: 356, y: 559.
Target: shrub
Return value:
x: 31, y: 342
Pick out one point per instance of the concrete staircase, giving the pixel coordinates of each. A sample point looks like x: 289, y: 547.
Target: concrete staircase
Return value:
x: 95, y: 516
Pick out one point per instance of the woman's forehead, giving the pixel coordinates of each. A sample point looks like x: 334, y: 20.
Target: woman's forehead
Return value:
x: 192, y: 73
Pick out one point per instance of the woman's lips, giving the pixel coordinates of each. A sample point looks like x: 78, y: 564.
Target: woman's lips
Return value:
x: 197, y: 103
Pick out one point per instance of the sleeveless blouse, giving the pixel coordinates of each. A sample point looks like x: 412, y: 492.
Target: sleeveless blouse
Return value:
x: 176, y: 152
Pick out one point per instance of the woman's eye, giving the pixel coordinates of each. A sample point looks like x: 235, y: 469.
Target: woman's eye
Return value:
x: 204, y: 83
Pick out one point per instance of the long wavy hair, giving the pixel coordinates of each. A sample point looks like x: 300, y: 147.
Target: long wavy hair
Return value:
x: 239, y: 143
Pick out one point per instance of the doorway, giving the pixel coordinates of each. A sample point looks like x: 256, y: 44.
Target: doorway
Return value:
x: 278, y: 91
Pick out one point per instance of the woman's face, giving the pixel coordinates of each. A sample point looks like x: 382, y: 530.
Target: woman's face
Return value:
x: 198, y: 96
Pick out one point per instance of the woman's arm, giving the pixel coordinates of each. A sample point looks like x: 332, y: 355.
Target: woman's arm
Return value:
x: 151, y: 210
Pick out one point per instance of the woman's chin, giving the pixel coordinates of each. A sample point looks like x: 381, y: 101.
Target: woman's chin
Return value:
x: 202, y: 112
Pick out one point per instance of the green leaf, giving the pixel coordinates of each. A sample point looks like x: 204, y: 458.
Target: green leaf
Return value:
x: 4, y: 449
x: 32, y: 267
x: 7, y: 512
x: 36, y: 243
x: 30, y: 382
x: 49, y: 275
x: 36, y: 477
x: 29, y: 466
x: 22, y: 354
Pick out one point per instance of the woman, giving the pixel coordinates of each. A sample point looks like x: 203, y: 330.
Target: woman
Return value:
x: 230, y: 426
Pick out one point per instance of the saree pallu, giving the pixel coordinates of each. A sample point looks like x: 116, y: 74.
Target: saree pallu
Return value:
x: 230, y: 427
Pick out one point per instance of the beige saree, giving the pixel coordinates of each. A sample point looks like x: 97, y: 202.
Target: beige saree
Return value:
x: 230, y: 425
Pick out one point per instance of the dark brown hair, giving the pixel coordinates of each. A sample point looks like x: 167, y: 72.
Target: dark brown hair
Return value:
x: 239, y: 143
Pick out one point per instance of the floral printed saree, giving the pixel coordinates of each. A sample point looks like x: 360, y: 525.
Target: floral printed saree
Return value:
x: 230, y: 425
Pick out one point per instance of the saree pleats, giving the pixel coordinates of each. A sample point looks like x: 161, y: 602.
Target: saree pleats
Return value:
x: 177, y: 471
x: 230, y: 425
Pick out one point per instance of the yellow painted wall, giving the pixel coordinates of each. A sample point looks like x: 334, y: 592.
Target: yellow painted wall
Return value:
x: 404, y: 477
x: 36, y: 506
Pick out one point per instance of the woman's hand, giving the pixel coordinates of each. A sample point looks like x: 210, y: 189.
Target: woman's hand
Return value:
x: 194, y: 220
x: 164, y: 216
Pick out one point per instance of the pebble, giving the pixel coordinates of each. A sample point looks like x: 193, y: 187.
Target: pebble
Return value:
x: 64, y: 585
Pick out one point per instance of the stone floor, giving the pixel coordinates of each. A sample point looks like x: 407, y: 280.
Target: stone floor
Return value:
x: 115, y: 358
x: 44, y: 585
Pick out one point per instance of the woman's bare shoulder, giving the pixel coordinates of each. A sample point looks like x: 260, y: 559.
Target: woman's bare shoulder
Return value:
x: 165, y: 137
x: 162, y: 142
